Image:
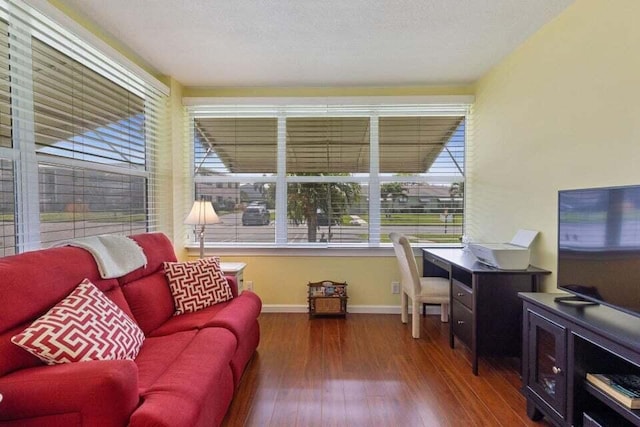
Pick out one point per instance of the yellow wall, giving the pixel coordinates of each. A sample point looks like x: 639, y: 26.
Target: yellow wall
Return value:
x: 178, y: 153
x: 562, y: 111
x: 283, y: 280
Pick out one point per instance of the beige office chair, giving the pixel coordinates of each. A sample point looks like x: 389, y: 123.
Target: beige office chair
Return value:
x: 430, y: 290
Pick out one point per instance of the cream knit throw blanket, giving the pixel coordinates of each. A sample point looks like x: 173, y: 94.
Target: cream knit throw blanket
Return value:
x: 115, y: 255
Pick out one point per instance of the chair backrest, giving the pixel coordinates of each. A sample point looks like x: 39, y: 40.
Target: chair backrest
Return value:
x: 410, y: 278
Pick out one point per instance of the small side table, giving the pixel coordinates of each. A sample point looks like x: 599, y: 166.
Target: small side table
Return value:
x: 235, y: 269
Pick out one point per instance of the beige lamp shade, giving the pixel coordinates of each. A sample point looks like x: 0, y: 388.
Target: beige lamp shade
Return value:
x: 202, y: 213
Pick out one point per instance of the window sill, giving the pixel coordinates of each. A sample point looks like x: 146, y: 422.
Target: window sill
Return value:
x: 306, y: 251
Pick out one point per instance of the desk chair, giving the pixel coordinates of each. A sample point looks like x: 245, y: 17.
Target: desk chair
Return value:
x: 430, y: 290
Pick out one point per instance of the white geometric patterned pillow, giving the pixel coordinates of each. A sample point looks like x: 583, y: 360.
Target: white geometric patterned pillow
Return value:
x: 86, y: 325
x: 196, y: 284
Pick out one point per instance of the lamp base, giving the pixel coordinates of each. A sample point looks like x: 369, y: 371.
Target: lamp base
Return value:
x: 202, y: 242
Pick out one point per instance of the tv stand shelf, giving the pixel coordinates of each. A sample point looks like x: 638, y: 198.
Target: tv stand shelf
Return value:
x: 632, y: 415
x: 561, y: 344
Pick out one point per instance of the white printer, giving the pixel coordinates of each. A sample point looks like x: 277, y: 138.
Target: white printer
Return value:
x: 506, y: 256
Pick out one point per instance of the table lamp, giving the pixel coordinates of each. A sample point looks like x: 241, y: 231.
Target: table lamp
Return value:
x: 202, y: 213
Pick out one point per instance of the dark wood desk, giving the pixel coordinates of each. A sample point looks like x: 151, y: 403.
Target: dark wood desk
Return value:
x: 485, y: 312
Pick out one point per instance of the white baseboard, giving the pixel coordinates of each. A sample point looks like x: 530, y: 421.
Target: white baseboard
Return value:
x: 282, y: 308
x: 369, y: 309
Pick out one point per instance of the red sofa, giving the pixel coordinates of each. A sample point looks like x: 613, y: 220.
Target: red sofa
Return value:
x: 184, y: 375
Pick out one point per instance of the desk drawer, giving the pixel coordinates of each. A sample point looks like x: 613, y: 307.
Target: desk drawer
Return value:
x: 462, y: 322
x: 462, y: 293
x: 438, y: 262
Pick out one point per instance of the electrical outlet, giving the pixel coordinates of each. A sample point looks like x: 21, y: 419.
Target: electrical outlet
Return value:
x: 249, y: 285
x: 395, y: 287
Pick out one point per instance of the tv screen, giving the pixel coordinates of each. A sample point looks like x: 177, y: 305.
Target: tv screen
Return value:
x: 599, y: 245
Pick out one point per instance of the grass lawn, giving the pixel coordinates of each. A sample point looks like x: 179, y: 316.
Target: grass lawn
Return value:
x: 414, y: 219
x: 423, y: 237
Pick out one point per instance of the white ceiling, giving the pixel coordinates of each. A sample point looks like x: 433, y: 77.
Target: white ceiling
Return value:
x: 214, y: 43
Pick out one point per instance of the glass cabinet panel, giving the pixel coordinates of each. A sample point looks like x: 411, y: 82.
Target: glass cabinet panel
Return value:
x: 547, y: 358
x: 546, y: 361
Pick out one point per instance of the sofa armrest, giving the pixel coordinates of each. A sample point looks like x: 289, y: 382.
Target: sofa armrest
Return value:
x: 102, y: 393
x: 233, y: 284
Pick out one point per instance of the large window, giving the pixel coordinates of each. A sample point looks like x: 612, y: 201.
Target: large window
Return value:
x: 422, y: 177
x: 328, y: 170
x: 81, y: 115
x: 338, y: 178
x: 78, y: 137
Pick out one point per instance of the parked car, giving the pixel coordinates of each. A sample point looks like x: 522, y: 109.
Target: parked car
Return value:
x: 323, y: 219
x: 256, y: 215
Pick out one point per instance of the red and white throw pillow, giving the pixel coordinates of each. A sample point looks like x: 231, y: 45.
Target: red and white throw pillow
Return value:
x: 196, y: 284
x: 86, y: 325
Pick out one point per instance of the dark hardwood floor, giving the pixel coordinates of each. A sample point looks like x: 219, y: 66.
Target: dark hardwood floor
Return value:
x: 366, y: 370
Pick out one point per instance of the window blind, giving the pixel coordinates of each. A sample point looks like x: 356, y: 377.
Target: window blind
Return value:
x: 7, y: 178
x: 7, y: 208
x: 83, y: 115
x: 321, y: 153
x: 328, y: 145
x: 5, y: 91
x: 235, y: 162
x: 413, y: 144
x: 80, y: 202
x: 422, y: 177
x: 235, y: 146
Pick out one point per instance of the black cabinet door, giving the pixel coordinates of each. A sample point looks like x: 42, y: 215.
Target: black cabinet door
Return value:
x: 547, y: 358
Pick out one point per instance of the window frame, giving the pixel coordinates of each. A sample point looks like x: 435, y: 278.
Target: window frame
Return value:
x: 283, y: 108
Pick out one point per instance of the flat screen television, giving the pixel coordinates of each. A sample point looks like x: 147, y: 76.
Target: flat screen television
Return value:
x: 599, y: 245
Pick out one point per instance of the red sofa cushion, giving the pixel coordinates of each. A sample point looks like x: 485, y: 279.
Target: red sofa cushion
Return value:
x: 86, y: 325
x: 237, y: 315
x: 29, y: 291
x: 33, y: 282
x: 196, y: 284
x: 13, y: 357
x: 150, y: 301
x: 179, y: 374
x: 157, y: 248
x: 101, y: 393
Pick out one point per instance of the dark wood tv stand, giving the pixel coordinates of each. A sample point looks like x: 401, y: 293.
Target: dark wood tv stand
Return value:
x: 561, y: 344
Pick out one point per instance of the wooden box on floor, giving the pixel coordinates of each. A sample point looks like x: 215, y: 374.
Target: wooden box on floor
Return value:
x: 327, y: 298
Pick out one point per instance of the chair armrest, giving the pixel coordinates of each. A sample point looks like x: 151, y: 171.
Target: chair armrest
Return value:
x: 233, y: 284
x: 103, y: 393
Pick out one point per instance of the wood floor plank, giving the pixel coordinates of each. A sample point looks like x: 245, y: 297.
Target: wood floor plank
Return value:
x: 367, y: 370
